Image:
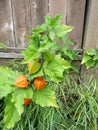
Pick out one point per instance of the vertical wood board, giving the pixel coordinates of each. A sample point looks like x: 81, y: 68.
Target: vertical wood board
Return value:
x: 6, y: 23
x: 91, y: 33
x: 39, y: 9
x: 22, y: 21
x: 91, y: 29
x: 75, y: 18
x: 58, y: 6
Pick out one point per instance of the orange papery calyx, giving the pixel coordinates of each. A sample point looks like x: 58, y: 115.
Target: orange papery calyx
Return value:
x: 21, y: 81
x: 27, y: 101
x: 39, y: 83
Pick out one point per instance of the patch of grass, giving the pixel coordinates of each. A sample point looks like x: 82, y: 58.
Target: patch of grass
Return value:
x: 82, y: 104
x: 17, y: 65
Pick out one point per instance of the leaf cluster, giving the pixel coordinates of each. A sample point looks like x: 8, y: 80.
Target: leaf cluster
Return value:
x: 90, y: 58
x: 44, y: 47
x: 14, y: 96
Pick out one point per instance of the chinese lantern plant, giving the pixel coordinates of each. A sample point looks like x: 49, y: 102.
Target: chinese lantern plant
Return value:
x: 45, y: 63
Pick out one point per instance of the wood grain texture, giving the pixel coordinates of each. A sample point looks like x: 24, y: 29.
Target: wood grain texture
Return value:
x: 24, y: 14
x: 22, y: 21
x: 58, y: 6
x: 6, y: 23
x: 91, y: 29
x: 12, y: 49
x: 10, y: 55
x: 75, y: 18
x: 39, y: 9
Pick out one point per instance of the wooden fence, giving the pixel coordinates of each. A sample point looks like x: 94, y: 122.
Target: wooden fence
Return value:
x: 18, y: 17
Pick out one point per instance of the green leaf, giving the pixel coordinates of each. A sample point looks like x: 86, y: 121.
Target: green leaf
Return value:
x: 90, y: 63
x: 11, y: 115
x: 45, y: 97
x: 96, y: 64
x: 69, y: 54
x: 30, y: 53
x: 49, y: 55
x: 29, y: 37
x: 66, y: 40
x: 5, y: 90
x: 46, y: 46
x: 38, y: 74
x: 55, y: 47
x: 28, y: 92
x: 49, y: 46
x: 35, y: 41
x: 91, y: 52
x: 40, y: 29
x: 7, y: 79
x: 96, y: 56
x: 18, y: 98
x: 53, y: 21
x: 52, y: 35
x: 54, y: 69
x: 34, y: 66
x: 85, y: 58
x: 3, y: 45
x: 74, y: 68
x: 62, y: 30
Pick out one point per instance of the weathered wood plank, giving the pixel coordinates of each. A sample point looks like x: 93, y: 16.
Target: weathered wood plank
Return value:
x: 18, y: 50
x: 6, y: 23
x: 58, y: 6
x: 39, y: 9
x: 91, y: 33
x: 10, y: 55
x: 15, y: 54
x: 75, y: 17
x: 12, y: 49
x: 91, y: 29
x: 22, y: 21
